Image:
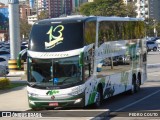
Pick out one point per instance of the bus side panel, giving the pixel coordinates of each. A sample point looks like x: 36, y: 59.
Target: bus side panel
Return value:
x: 117, y: 83
x: 90, y: 90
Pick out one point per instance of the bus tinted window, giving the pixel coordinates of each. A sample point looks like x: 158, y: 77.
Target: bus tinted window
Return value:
x: 126, y: 30
x: 90, y: 32
x: 56, y: 37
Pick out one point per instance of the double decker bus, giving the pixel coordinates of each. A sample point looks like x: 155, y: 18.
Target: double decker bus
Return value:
x: 78, y: 61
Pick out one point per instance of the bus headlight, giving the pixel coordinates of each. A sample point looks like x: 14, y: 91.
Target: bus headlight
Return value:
x: 32, y: 95
x: 31, y: 102
x: 77, y: 90
x: 78, y: 100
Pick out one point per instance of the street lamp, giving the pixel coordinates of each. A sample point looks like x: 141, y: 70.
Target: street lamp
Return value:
x: 155, y: 30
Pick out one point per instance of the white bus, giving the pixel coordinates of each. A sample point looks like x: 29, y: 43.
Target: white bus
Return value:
x: 78, y: 61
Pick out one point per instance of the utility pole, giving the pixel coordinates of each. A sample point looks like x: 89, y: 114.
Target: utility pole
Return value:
x: 37, y: 8
x: 14, y: 28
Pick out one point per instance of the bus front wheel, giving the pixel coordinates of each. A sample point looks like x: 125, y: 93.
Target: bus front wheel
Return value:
x: 99, y: 98
x: 133, y: 87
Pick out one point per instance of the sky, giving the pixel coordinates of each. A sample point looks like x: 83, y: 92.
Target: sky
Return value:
x: 6, y: 1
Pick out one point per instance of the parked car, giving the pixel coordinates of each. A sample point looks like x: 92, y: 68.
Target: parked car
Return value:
x: 5, y: 54
x: 155, y: 39
x: 3, y: 61
x: 151, y: 45
x: 124, y: 60
x: 3, y: 70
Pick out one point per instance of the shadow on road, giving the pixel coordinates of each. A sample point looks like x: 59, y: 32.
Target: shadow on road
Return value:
x: 13, y: 89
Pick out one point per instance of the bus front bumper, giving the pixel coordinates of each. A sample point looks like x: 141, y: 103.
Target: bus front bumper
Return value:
x: 77, y: 101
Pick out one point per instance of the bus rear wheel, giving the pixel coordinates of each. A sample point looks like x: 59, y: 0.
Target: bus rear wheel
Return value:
x: 135, y: 85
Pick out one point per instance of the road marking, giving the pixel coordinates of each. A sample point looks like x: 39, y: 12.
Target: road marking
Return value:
x: 137, y: 101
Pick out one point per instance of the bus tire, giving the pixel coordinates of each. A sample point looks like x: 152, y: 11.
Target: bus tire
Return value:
x: 99, y: 97
x: 138, y: 83
x: 133, y: 87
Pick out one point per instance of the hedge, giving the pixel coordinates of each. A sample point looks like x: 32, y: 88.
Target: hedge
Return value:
x: 4, y: 82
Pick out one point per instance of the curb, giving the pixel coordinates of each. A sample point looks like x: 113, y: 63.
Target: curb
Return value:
x: 15, y: 73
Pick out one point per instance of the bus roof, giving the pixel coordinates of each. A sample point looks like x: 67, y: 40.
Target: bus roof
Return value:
x: 79, y: 18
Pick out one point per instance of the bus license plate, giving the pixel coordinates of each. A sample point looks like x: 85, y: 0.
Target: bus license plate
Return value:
x: 53, y: 104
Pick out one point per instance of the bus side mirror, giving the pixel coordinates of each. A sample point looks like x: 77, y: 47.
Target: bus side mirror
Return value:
x: 81, y: 59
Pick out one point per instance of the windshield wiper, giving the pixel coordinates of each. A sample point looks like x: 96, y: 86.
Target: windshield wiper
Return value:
x: 65, y: 80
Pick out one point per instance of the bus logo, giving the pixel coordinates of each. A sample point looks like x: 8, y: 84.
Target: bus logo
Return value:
x: 51, y: 92
x: 54, y: 40
x: 53, y: 97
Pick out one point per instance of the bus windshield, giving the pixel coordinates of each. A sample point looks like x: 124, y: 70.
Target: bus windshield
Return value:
x: 54, y: 72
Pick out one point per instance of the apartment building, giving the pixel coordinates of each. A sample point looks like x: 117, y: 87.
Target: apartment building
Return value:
x: 57, y: 8
x: 42, y: 5
x: 154, y: 9
x: 24, y: 11
x: 32, y: 19
x: 141, y: 7
x: 147, y: 8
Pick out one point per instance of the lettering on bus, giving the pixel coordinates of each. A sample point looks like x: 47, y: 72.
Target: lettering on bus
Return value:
x: 51, y: 92
x: 54, y: 40
x: 54, y: 55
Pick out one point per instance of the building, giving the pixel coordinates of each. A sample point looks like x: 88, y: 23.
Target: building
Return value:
x: 32, y: 19
x: 4, y: 10
x: 141, y: 7
x: 3, y: 22
x: 31, y: 3
x: 147, y: 8
x: 2, y: 4
x: 4, y: 35
x: 57, y: 8
x: 154, y: 9
x: 42, y: 5
x: 25, y: 11
x: 6, y: 1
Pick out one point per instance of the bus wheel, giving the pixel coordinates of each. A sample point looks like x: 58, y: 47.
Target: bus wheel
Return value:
x: 99, y: 98
x: 133, y: 87
x: 132, y: 91
x: 137, y: 85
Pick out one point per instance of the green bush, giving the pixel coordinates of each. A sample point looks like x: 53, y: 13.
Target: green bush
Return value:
x: 4, y: 82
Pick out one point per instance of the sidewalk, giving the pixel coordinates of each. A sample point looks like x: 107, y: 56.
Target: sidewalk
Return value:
x: 14, y: 99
